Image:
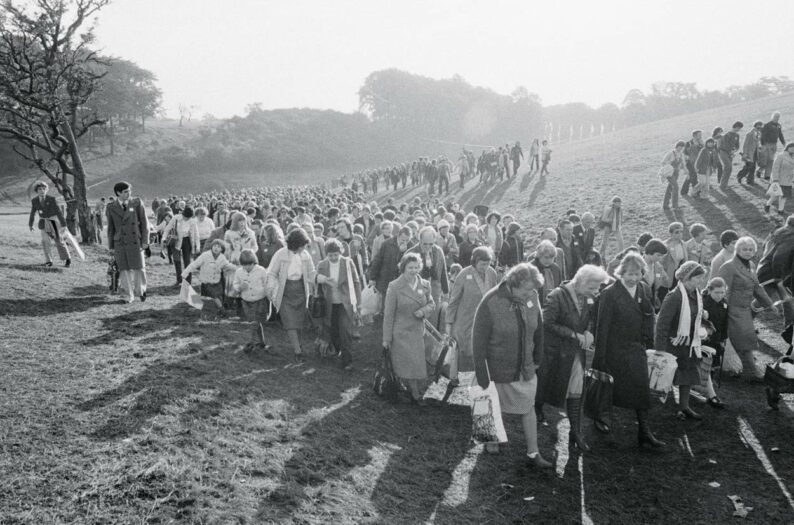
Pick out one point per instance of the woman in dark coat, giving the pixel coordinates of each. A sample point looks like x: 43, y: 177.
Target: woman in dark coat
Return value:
x: 567, y: 333
x: 544, y: 262
x: 624, y: 331
x: 470, y: 242
x: 512, y: 248
x: 679, y: 334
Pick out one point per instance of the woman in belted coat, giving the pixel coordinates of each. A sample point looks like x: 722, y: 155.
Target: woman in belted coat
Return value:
x: 739, y: 275
x: 408, y: 301
x: 568, y: 316
x: 624, y: 330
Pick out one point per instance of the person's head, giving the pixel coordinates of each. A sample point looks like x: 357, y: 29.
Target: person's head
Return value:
x: 481, y: 258
x: 617, y: 202
x: 297, y: 240
x: 737, y: 125
x: 333, y: 249
x: 566, y: 229
x: 238, y: 221
x: 676, y: 231
x: 403, y: 236
x: 697, y: 134
x: 546, y: 252
x: 698, y: 232
x: 549, y: 234
x: 217, y: 247
x: 386, y: 228
x: 319, y: 230
x: 717, y: 288
x: 710, y: 143
x: 717, y: 132
x: 454, y: 270
x: 472, y: 218
x: 123, y: 190
x: 427, y: 238
x: 692, y: 275
x: 776, y: 116
x: 220, y: 206
x: 680, y: 145
x: 523, y: 280
x: 728, y: 240
x: 507, y: 219
x: 643, y: 239
x: 655, y: 250
x: 631, y: 269
x: 201, y: 213
x: 757, y: 125
x: 344, y: 228
x: 789, y: 148
x: 746, y: 248
x: 588, y: 280
x: 187, y: 213
x: 248, y: 259
x: 272, y: 233
x: 41, y: 187
x: 588, y: 219
x: 493, y: 218
x: 410, y: 264
x: 443, y: 227
x: 593, y: 257
x: 545, y: 142
x: 472, y: 232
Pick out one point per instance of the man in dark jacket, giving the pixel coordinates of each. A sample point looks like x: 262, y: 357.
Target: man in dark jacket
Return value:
x: 434, y: 266
x: 567, y: 243
x: 752, y: 141
x: 128, y: 237
x: 728, y: 146
x: 384, y: 268
x: 770, y: 134
x: 776, y: 267
x: 584, y: 235
x: 51, y: 223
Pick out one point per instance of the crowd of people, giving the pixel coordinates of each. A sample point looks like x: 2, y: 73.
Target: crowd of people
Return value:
x: 526, y: 314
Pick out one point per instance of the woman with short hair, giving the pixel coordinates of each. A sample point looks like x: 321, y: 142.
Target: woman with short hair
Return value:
x: 470, y: 285
x: 470, y: 242
x: 624, y: 331
x: 204, y: 226
x: 545, y: 255
x: 740, y: 277
x: 507, y: 340
x: 568, y: 316
x: 293, y: 272
x: 491, y: 232
x: 408, y: 302
x: 678, y: 332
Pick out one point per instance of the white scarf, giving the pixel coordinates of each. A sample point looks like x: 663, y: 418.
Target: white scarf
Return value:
x: 684, y: 323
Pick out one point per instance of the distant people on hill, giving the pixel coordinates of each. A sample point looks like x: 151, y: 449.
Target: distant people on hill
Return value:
x: 534, y: 155
x: 516, y: 155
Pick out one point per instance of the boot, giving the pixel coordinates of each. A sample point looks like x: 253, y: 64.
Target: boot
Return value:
x: 453, y: 383
x: 573, y: 406
x: 644, y: 437
x: 539, y: 415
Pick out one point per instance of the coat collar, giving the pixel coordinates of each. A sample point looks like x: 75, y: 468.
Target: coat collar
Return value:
x: 419, y: 295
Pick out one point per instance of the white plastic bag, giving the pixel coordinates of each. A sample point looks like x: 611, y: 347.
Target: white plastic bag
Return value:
x: 188, y: 295
x: 486, y: 414
x: 370, y: 301
x: 731, y: 362
x: 661, y: 371
x: 774, y: 190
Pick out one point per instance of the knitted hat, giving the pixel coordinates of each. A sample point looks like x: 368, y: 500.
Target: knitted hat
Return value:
x: 443, y: 224
x: 689, y: 269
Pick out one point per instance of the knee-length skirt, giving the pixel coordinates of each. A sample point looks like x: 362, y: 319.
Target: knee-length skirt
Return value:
x: 293, y: 305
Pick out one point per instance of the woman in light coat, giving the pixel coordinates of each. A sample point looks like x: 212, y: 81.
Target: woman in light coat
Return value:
x: 408, y: 301
x: 470, y: 286
x: 740, y: 277
x: 783, y: 174
x: 293, y: 272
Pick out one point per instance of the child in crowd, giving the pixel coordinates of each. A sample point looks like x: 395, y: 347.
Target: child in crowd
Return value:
x: 253, y: 282
x: 715, y: 312
x: 211, y: 265
x: 696, y: 248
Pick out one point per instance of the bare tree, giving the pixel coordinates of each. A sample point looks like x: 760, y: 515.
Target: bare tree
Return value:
x: 47, y: 74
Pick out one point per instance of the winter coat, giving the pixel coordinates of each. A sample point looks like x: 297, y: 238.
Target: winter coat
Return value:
x: 467, y: 292
x: 436, y: 273
x: 561, y: 322
x: 497, y: 246
x: 512, y: 251
x: 279, y: 267
x: 708, y: 161
x: 324, y: 268
x: 783, y: 169
x: 743, y: 286
x: 127, y: 233
x: 466, y: 249
x: 402, y: 330
x: 383, y: 269
x: 667, y: 327
x: 624, y: 330
x: 497, y: 341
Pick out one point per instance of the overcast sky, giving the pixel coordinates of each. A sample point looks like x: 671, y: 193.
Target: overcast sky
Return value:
x: 223, y: 55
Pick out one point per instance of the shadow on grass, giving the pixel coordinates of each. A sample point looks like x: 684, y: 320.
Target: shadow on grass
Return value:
x: 45, y: 307
x: 35, y: 267
x: 539, y: 185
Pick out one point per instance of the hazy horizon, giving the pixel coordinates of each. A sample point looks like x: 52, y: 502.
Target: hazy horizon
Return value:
x: 318, y: 54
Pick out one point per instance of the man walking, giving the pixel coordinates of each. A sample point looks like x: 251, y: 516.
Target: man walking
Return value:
x: 729, y: 145
x: 752, y: 141
x: 51, y: 224
x: 128, y: 237
x: 691, y: 152
x: 770, y: 134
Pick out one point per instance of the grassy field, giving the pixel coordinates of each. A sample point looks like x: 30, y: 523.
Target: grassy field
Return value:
x: 142, y: 413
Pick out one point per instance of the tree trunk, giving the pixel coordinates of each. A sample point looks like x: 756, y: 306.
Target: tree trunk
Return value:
x: 112, y: 138
x: 80, y: 193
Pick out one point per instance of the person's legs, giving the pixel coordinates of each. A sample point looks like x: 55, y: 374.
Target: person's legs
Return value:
x: 294, y: 340
x: 177, y: 258
x: 605, y: 233
x: 644, y: 435
x: 530, y: 425
x: 674, y: 184
x: 126, y: 281
x: 667, y: 194
x: 726, y: 160
x: 45, y: 245
x: 770, y: 150
x: 186, y: 252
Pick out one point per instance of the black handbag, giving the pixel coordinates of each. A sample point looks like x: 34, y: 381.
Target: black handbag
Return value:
x: 317, y: 304
x: 385, y: 383
x: 597, y: 396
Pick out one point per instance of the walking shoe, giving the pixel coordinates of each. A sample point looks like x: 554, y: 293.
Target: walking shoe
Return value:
x: 68, y: 263
x: 766, y: 208
x: 48, y: 263
x: 538, y: 461
x: 143, y: 297
x: 716, y: 403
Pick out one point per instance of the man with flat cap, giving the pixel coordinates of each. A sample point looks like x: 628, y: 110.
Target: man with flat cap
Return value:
x: 128, y: 237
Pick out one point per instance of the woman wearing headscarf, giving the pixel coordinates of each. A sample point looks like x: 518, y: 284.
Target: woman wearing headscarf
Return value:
x: 507, y: 340
x: 678, y: 332
x: 471, y: 284
x: 293, y: 271
x: 544, y: 262
x: 408, y: 302
x: 742, y: 282
x: 568, y: 316
x: 624, y: 331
